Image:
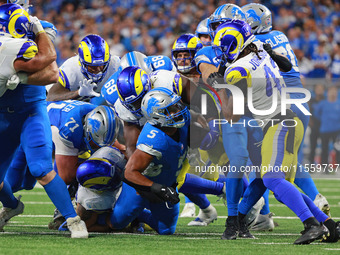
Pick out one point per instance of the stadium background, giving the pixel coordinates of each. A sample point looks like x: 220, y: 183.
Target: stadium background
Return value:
x: 151, y: 27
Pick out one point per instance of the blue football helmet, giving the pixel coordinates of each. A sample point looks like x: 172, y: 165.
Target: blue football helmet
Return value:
x: 161, y: 106
x: 15, y: 20
x: 231, y: 39
x: 101, y: 173
x: 132, y: 84
x: 94, y: 51
x: 203, y: 28
x: 225, y: 13
x: 23, y: 3
x: 258, y: 17
x: 101, y: 126
x: 188, y: 43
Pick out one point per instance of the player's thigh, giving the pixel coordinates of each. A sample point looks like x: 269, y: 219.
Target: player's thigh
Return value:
x: 36, y: 140
x: 128, y: 206
x: 166, y: 216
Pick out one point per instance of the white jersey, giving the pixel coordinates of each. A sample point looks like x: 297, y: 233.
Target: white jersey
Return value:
x: 70, y: 73
x: 11, y: 49
x: 166, y: 79
x: 99, y: 201
x: 263, y: 77
x: 124, y: 114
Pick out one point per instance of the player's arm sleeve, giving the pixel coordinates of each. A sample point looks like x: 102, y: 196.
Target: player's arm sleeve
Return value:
x: 240, y: 77
x: 283, y: 62
x: 28, y: 50
x: 63, y: 79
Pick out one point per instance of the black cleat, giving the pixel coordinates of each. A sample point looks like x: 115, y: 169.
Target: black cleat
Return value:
x: 58, y: 219
x: 312, y: 233
x: 231, y: 231
x: 333, y: 228
x: 243, y: 229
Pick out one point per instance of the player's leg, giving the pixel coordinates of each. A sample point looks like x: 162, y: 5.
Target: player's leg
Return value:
x: 10, y: 128
x: 16, y: 171
x: 162, y: 217
x: 128, y: 206
x: 279, y: 153
x: 36, y: 138
x: 235, y: 146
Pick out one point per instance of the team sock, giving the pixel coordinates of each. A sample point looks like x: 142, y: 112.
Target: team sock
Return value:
x: 198, y: 199
x: 6, y: 196
x: 318, y: 214
x: 58, y: 193
x: 196, y: 184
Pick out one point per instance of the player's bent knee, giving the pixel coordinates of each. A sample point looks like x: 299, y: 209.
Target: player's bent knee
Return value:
x: 167, y: 231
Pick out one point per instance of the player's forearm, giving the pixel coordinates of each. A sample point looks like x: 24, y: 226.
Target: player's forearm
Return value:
x: 134, y: 176
x: 47, y: 53
x: 206, y: 70
x: 46, y: 76
x: 67, y: 95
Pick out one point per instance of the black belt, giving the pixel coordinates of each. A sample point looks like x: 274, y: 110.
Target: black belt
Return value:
x: 291, y: 129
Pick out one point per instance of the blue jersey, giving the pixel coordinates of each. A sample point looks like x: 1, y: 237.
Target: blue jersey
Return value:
x: 154, y: 63
x: 280, y: 44
x: 68, y: 116
x: 206, y: 55
x: 159, y: 62
x: 168, y: 154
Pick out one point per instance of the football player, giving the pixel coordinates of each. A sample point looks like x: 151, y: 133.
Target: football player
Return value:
x: 100, y: 179
x: 276, y: 44
x: 26, y: 115
x: 84, y: 74
x: 161, y: 150
x: 235, y: 40
x: 203, y: 32
x: 134, y: 58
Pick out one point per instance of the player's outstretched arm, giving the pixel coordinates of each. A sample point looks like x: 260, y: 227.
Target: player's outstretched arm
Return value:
x: 59, y: 93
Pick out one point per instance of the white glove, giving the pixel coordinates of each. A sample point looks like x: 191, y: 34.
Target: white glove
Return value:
x: 15, y: 80
x: 86, y: 88
x: 36, y: 26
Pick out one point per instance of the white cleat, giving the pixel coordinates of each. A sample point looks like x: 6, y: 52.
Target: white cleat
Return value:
x: 77, y: 227
x: 7, y: 213
x: 205, y: 217
x: 189, y: 210
x: 321, y: 202
x: 254, y: 212
x: 264, y: 223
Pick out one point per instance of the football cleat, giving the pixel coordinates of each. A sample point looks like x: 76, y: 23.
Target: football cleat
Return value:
x: 321, y: 202
x: 77, y: 227
x: 231, y: 231
x: 334, y: 231
x: 205, y: 217
x: 189, y: 210
x: 7, y: 213
x: 312, y: 233
x: 243, y: 231
x: 57, y: 221
x: 254, y: 212
x: 264, y: 223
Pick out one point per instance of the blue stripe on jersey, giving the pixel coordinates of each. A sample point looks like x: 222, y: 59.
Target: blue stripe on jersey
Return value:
x: 281, y: 146
x: 63, y: 74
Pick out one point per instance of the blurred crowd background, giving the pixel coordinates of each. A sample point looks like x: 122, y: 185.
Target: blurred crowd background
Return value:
x: 152, y: 26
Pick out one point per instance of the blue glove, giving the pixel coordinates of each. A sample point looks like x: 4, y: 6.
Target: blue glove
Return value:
x: 211, y: 138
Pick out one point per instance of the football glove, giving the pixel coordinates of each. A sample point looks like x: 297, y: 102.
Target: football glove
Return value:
x: 86, y: 88
x: 215, y: 79
x: 211, y: 138
x: 36, y: 26
x: 167, y: 194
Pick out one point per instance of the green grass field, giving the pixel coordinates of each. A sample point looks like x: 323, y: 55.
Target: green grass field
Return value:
x: 28, y: 233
